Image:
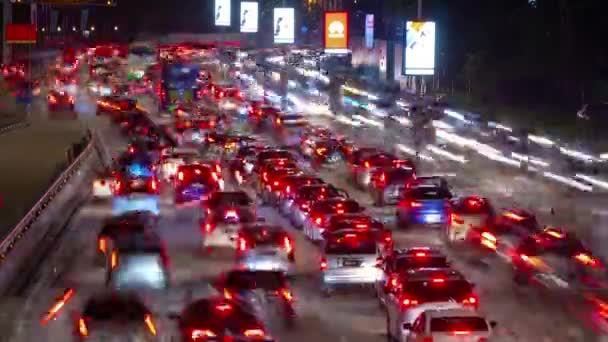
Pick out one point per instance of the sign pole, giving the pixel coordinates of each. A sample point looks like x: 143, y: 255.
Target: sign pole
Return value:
x: 7, y: 16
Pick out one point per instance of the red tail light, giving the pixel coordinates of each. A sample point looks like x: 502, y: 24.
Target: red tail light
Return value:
x: 202, y: 334
x: 366, y: 164
x: 150, y: 324
x: 407, y: 302
x: 52, y: 313
x: 223, y: 307
x: 208, y: 227
x: 382, y: 178
x: 488, y: 240
x: 276, y: 183
x: 287, y: 295
x: 254, y: 333
x: 461, y: 332
x: 393, y: 281
x: 180, y: 175
x: 221, y: 94
x: 287, y: 244
x: 83, y: 330
x: 304, y: 206
x: 427, y: 339
x: 323, y: 264
x: 438, y: 280
x: 387, y: 236
x: 242, y: 244
x: 454, y: 218
x: 414, y: 204
x: 71, y: 99
x: 288, y: 189
x: 131, y: 149
x: 318, y: 220
x: 420, y: 254
x: 117, y: 187
x: 472, y: 300
x: 153, y: 185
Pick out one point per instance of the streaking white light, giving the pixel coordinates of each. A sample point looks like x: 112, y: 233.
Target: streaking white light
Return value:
x: 530, y: 159
x: 568, y: 181
x: 368, y: 121
x: 513, y: 138
x: 403, y: 121
x: 576, y: 154
x: 403, y: 104
x: 499, y: 126
x: 442, y: 125
x: 592, y: 181
x: 446, y: 154
x: 541, y: 140
x: 412, y: 152
x: 347, y: 120
x: 454, y: 114
x: 604, y: 156
x: 502, y: 159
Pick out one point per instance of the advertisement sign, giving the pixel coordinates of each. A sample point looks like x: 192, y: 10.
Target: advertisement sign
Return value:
x: 222, y: 12
x: 336, y: 32
x: 419, y: 48
x: 20, y: 34
x: 369, y: 31
x: 249, y: 16
x: 284, y: 26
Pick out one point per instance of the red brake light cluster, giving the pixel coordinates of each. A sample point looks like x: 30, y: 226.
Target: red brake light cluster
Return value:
x: 323, y: 265
x: 242, y: 244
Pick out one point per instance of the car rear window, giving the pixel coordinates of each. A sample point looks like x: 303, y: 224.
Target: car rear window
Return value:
x: 246, y: 280
x: 236, y: 198
x: 265, y: 236
x: 450, y: 324
x: 428, y: 291
x: 274, y: 155
x: 337, y: 206
x: 313, y: 192
x: 428, y: 193
x: 409, y: 262
x: 351, y: 244
x: 474, y: 206
x: 194, y: 174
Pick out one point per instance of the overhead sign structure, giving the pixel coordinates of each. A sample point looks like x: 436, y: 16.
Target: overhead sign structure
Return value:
x: 20, y: 34
x: 222, y: 12
x: 419, y: 48
x: 369, y: 31
x: 284, y: 26
x: 336, y: 32
x: 249, y: 16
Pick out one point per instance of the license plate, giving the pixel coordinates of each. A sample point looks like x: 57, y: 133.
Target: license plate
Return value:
x: 137, y: 183
x: 351, y: 263
x: 433, y: 218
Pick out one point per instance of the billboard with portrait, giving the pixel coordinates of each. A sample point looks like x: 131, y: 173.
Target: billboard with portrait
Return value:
x: 249, y: 16
x: 419, y: 48
x: 336, y: 32
x: 222, y: 12
x: 369, y: 31
x: 284, y: 26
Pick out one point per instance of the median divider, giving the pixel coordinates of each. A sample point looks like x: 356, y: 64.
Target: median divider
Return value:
x: 20, y: 250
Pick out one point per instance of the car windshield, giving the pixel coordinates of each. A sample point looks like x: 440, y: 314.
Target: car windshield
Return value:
x: 250, y: 280
x: 453, y: 323
x: 236, y: 198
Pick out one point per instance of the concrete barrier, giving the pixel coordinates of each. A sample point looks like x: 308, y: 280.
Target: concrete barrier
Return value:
x: 21, y: 248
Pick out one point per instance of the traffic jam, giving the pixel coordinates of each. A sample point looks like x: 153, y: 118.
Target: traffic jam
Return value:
x: 290, y: 218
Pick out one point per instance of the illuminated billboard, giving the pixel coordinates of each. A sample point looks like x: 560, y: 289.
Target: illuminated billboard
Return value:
x: 369, y: 31
x: 284, y: 26
x: 336, y: 32
x: 222, y: 12
x: 249, y: 16
x: 419, y: 48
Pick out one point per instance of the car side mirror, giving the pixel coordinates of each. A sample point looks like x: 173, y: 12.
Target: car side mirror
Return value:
x: 493, y: 324
x: 407, y: 326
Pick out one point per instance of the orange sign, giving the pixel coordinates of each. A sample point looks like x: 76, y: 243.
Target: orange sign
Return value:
x: 20, y: 34
x: 336, y: 31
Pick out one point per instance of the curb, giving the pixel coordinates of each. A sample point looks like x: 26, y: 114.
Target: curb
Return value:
x: 13, y: 126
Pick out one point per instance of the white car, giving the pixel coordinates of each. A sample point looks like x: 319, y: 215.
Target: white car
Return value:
x: 103, y: 187
x: 172, y: 157
x: 449, y: 325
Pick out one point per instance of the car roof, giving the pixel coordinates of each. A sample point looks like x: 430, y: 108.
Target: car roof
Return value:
x: 411, y: 251
x: 422, y: 274
x: 452, y: 312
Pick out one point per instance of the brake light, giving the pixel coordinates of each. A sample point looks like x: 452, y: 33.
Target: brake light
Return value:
x: 321, y: 150
x: 254, y: 333
x: 287, y: 244
x: 288, y: 189
x: 214, y: 176
x: 71, y: 99
x: 52, y: 99
x: 278, y: 121
x: 197, y: 171
x: 406, y: 302
x: 276, y: 183
x: 388, y: 236
x: 230, y: 213
x: 58, y: 306
x: 393, y: 281
x: 456, y: 219
x: 366, y: 164
x: 461, y: 332
x: 117, y: 187
x: 323, y: 264
x: 420, y: 254
x: 287, y: 295
x: 242, y: 244
x: 82, y: 328
x: 114, y: 260
x: 221, y: 94
x: 223, y: 307
x: 513, y: 216
x: 218, y: 168
x: 319, y: 220
x: 202, y: 334
x: 304, y: 206
x: 361, y: 225
x: 470, y: 301
x: 415, y: 204
x: 586, y: 259
x: 383, y: 178
x: 438, y: 280
x: 180, y: 175
x: 208, y: 227
x: 153, y: 185
x: 554, y: 233
x: 488, y: 240
x: 150, y: 324
x: 101, y: 245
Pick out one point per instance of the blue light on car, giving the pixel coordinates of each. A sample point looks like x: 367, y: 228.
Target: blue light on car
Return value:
x: 139, y: 170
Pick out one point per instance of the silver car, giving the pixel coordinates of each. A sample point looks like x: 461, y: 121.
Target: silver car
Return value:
x: 449, y: 325
x: 298, y: 208
x: 321, y: 212
x: 263, y: 247
x: 349, y: 258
